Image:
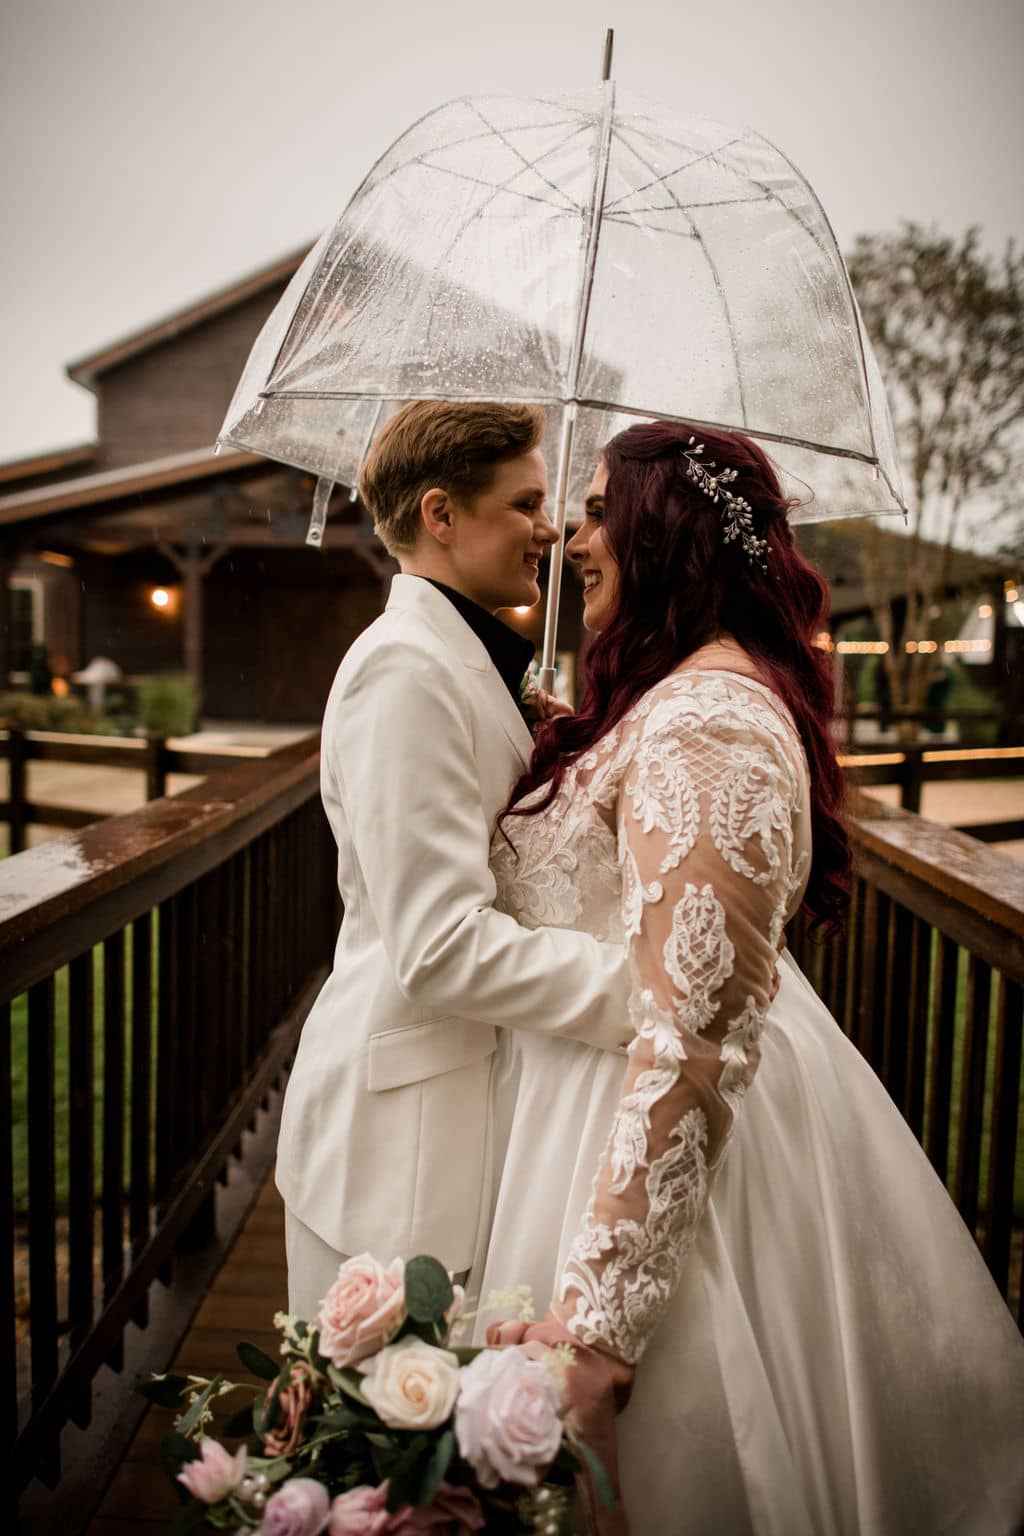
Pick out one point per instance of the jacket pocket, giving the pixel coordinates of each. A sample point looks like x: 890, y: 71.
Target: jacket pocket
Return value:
x: 414, y: 1052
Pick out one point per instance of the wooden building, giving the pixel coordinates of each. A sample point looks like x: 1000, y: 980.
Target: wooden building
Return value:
x: 89, y: 536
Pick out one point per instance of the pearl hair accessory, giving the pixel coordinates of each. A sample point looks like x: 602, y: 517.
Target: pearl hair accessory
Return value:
x: 737, y: 514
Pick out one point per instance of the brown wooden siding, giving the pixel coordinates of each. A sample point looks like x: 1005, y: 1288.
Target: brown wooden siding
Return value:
x: 173, y: 398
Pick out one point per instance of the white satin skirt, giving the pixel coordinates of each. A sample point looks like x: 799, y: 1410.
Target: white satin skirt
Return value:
x: 837, y: 1360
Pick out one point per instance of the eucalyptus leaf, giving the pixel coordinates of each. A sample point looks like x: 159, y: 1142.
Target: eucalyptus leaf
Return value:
x: 348, y: 1383
x: 258, y: 1361
x: 403, y: 1479
x: 428, y: 1290
x: 176, y: 1450
x: 432, y: 1475
x: 191, y: 1418
x: 595, y: 1466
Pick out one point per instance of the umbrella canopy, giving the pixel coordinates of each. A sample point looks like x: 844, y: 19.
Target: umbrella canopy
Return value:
x: 593, y: 255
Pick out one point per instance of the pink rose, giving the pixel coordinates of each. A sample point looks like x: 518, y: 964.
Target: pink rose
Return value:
x: 364, y: 1308
x: 362, y: 1512
x: 506, y: 1418
x: 216, y: 1474
x: 300, y: 1507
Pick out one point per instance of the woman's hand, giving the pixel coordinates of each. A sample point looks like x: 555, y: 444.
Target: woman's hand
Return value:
x: 539, y: 706
x: 596, y: 1388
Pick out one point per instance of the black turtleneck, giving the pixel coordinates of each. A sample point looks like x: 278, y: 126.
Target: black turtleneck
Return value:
x: 510, y: 652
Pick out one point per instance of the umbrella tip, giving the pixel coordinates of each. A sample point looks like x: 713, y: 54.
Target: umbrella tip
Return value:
x: 609, y: 44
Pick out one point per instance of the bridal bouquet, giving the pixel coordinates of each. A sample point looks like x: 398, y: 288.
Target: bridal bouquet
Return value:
x: 372, y: 1424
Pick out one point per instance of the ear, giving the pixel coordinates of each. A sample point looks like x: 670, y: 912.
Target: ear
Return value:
x: 436, y: 513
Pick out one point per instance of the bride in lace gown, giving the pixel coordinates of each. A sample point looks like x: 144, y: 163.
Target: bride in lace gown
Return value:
x: 818, y: 1345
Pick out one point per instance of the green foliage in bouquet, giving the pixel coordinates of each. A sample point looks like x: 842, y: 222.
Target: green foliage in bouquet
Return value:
x: 372, y: 1418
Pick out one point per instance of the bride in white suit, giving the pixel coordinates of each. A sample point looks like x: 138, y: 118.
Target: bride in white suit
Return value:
x: 741, y: 1216
x: 386, y: 1141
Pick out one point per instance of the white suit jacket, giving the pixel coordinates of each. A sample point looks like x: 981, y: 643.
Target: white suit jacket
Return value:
x: 385, y: 1140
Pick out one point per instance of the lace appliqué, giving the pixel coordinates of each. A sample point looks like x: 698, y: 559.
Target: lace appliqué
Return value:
x: 711, y: 786
x: 698, y: 953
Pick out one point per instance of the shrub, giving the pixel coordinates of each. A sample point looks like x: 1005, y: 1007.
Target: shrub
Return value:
x: 47, y: 712
x: 167, y: 703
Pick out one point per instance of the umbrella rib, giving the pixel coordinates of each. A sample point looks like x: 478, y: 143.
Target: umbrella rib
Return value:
x: 721, y: 202
x: 525, y: 164
x: 658, y: 180
x: 726, y: 311
x: 564, y: 207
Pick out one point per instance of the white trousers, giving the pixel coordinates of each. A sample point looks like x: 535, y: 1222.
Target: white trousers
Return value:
x: 312, y: 1267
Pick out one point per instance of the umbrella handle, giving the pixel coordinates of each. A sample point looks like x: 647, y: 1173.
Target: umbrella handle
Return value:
x: 546, y: 679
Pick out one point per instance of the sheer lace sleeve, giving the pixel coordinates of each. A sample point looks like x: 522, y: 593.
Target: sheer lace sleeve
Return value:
x: 705, y: 818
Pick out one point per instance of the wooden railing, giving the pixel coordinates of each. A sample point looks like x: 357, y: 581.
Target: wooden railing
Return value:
x: 928, y: 981
x: 155, y: 970
x: 972, y: 725
x: 152, y: 755
x: 911, y: 767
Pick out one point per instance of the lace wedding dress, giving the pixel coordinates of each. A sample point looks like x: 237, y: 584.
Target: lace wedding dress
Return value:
x: 819, y: 1346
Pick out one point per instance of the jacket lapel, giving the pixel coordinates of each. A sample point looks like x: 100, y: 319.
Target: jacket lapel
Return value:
x: 412, y: 594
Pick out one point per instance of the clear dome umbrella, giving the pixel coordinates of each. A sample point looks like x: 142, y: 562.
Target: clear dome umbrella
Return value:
x: 604, y: 259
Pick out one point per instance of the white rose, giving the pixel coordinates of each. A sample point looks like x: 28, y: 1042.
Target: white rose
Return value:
x: 412, y: 1385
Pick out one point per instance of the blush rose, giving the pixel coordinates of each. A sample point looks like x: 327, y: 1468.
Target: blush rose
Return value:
x: 364, y: 1308
x: 300, y: 1507
x: 506, y: 1420
x: 412, y: 1385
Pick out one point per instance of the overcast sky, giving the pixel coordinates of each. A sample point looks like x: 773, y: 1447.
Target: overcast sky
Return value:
x: 155, y: 150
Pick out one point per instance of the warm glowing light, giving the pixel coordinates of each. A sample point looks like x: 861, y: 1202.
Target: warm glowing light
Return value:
x: 911, y: 647
x: 862, y: 647
x: 522, y: 609
x: 823, y: 641
x: 52, y: 557
x: 60, y: 687
x: 1012, y: 594
x: 966, y: 647
x: 973, y: 755
x: 871, y: 759
x: 985, y: 611
x: 926, y: 647
x: 160, y: 597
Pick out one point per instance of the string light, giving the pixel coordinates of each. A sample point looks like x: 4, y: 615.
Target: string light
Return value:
x: 862, y: 647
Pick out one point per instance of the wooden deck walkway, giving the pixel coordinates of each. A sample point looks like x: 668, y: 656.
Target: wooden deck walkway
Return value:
x: 250, y: 1287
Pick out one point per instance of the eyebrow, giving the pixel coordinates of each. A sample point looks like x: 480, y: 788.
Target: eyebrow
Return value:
x: 594, y: 501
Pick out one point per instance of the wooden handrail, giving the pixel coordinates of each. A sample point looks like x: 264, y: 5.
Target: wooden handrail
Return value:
x: 58, y: 899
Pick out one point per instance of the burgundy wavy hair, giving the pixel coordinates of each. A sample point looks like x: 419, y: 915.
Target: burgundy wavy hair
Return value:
x: 681, y: 586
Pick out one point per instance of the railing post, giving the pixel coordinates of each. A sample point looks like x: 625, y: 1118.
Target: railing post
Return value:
x: 912, y: 781
x: 18, y: 820
x: 156, y: 765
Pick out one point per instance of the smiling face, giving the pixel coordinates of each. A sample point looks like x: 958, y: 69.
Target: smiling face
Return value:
x: 595, y: 561
x: 490, y: 547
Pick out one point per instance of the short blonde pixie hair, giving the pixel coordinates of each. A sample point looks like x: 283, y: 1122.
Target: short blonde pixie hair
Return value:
x: 449, y: 445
